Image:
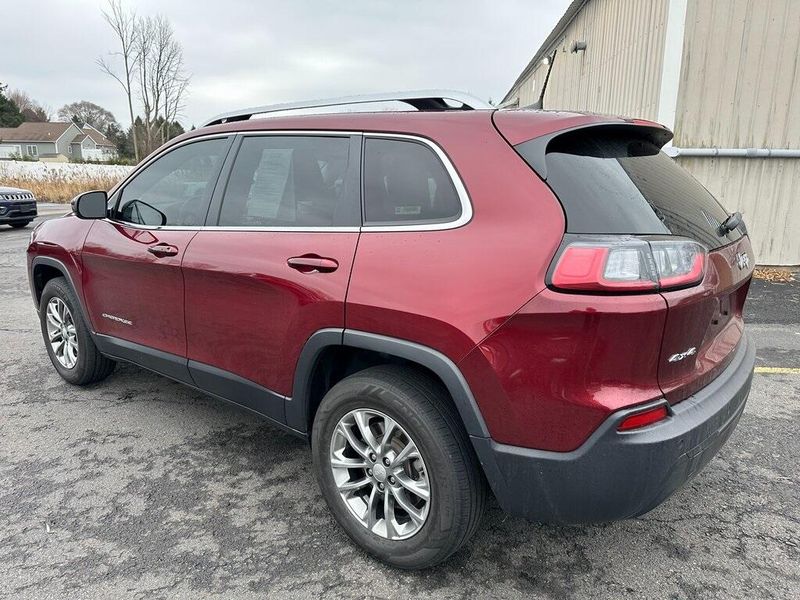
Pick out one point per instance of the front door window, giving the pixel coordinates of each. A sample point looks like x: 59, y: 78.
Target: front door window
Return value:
x: 176, y: 189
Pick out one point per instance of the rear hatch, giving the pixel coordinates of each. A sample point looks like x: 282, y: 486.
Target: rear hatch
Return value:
x: 622, y: 195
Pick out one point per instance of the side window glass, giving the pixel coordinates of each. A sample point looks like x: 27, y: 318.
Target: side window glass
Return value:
x: 176, y: 189
x: 289, y: 181
x: 405, y: 182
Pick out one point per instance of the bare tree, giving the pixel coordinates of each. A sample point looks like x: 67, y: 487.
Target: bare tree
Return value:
x: 173, y: 101
x: 162, y: 80
x: 153, y: 71
x: 20, y: 98
x: 31, y: 110
x: 84, y: 112
x: 173, y: 83
x: 144, y: 50
x: 125, y: 26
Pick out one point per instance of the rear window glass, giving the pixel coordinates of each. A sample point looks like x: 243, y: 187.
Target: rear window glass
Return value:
x: 405, y: 182
x: 612, y: 181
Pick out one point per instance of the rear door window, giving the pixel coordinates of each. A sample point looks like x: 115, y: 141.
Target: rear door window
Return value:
x: 291, y: 181
x: 406, y: 183
x: 617, y: 181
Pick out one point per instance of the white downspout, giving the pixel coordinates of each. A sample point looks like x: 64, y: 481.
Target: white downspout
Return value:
x: 734, y: 152
x: 671, y: 64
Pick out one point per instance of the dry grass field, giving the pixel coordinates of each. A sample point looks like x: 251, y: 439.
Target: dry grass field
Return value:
x: 59, y: 182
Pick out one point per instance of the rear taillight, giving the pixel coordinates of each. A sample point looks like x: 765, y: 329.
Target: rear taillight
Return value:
x: 629, y: 264
x: 643, y: 419
x: 679, y: 263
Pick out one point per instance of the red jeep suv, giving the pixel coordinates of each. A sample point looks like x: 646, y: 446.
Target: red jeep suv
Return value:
x: 444, y: 301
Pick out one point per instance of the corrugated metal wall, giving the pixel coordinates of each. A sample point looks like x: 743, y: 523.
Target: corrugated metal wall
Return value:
x: 620, y: 71
x: 740, y: 88
x: 740, y: 77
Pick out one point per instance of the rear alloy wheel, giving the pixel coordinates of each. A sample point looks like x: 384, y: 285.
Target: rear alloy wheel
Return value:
x: 380, y: 474
x: 20, y: 225
x: 396, y: 467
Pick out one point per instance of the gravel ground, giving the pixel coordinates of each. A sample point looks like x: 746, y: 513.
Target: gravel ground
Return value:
x: 141, y: 488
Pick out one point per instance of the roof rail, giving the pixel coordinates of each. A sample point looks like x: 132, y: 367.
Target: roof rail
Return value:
x: 421, y: 100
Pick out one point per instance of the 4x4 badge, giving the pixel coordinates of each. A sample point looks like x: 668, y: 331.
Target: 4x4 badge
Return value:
x: 681, y: 355
x: 742, y: 260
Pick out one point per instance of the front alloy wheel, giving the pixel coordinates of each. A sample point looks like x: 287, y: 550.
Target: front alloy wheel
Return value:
x: 380, y: 474
x: 61, y: 333
x: 68, y: 340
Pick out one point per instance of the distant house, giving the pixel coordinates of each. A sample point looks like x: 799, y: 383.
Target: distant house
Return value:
x: 58, y: 142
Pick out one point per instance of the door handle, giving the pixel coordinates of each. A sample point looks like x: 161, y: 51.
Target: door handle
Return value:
x: 312, y: 263
x: 163, y: 250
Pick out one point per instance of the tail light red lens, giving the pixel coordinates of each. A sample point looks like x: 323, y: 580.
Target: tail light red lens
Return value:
x: 643, y: 419
x: 629, y: 265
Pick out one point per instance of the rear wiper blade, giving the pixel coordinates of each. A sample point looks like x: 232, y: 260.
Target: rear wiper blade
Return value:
x: 733, y: 221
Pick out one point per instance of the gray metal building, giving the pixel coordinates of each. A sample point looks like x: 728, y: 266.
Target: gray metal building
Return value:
x: 724, y: 75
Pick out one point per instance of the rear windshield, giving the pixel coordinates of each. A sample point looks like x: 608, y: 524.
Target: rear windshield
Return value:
x: 615, y: 181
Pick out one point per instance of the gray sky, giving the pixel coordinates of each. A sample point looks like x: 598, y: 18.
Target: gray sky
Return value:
x: 243, y: 52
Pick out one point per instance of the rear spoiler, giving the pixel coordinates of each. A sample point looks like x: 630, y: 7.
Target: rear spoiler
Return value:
x: 536, y: 148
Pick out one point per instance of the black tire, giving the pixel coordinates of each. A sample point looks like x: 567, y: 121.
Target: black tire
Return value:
x: 91, y: 366
x: 20, y: 225
x: 421, y: 406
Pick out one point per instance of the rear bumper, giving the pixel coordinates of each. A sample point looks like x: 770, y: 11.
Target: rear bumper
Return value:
x: 616, y: 475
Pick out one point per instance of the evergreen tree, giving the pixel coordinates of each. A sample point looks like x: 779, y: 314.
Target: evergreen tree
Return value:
x: 10, y: 115
x: 122, y: 140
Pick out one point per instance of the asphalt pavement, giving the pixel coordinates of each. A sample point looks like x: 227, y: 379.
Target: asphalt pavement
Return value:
x: 138, y: 487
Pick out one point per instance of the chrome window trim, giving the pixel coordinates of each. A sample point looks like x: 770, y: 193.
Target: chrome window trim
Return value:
x: 231, y: 228
x: 461, y: 190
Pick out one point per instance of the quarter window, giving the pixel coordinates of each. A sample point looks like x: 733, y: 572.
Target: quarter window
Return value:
x: 405, y: 182
x: 176, y: 189
x: 290, y: 181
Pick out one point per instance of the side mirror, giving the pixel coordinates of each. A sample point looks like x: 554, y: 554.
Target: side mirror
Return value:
x: 91, y: 205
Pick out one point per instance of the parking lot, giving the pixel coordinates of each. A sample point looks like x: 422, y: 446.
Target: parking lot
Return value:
x: 139, y: 487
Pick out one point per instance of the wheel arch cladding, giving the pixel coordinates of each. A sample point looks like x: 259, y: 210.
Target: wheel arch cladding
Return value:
x: 43, y: 272
x: 375, y: 349
x: 52, y: 267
